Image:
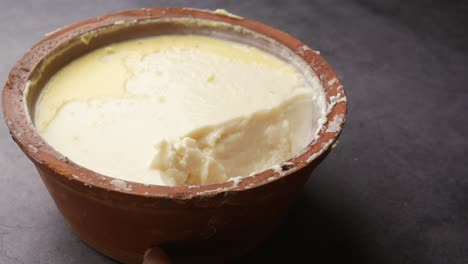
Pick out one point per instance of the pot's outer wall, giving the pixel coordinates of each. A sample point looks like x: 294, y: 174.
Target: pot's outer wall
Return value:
x: 226, y: 226
x: 228, y: 219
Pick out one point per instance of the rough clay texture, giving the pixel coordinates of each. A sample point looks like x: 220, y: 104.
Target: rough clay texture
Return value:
x: 394, y: 189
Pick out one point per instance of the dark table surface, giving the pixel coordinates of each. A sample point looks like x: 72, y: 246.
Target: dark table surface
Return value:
x: 395, y: 190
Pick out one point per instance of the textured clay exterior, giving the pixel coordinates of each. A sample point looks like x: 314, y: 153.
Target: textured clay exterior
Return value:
x: 210, y: 223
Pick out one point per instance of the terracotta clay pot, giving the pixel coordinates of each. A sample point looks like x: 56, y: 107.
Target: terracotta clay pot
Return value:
x: 121, y: 219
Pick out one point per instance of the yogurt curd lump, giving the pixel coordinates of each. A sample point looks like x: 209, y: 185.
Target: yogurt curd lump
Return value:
x: 179, y: 110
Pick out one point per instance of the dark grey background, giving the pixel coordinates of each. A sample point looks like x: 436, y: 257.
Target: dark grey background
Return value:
x: 395, y: 190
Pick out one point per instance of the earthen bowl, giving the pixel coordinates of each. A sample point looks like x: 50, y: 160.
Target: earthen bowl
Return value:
x: 210, y: 223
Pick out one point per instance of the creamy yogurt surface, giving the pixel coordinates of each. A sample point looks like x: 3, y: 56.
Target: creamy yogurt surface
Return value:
x: 179, y: 110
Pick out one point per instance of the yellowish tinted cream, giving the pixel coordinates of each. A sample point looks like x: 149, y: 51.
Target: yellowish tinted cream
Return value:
x: 179, y: 110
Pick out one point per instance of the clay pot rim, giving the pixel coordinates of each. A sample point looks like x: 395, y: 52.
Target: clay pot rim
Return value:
x: 25, y: 135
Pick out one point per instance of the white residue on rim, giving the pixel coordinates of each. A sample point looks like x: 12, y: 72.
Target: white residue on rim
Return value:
x: 324, y: 147
x: 332, y: 81
x: 250, y: 185
x: 213, y: 191
x: 253, y: 173
x: 119, y: 184
x: 282, y: 168
x: 303, y: 49
x: 223, y: 12
x: 277, y: 168
x: 272, y: 178
x: 53, y: 32
x: 235, y: 181
x: 123, y: 22
x: 32, y: 148
x: 339, y: 97
x: 335, y: 124
x: 35, y: 159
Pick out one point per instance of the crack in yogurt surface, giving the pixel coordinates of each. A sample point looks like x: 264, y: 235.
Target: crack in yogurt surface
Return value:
x: 178, y: 110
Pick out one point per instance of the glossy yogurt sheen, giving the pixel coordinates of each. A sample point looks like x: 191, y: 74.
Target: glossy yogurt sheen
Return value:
x: 179, y: 110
